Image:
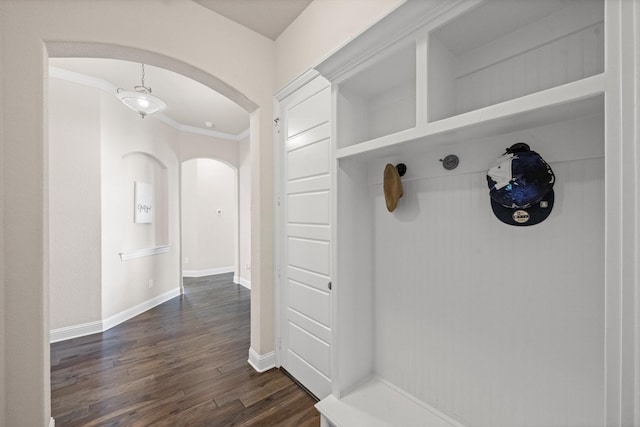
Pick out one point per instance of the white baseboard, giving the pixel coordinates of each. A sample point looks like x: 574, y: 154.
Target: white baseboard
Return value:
x: 208, y: 272
x: 262, y: 362
x: 75, y: 331
x: 241, y: 281
x: 127, y: 314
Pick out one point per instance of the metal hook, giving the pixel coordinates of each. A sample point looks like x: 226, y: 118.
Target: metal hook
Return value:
x: 402, y: 169
x: 450, y: 162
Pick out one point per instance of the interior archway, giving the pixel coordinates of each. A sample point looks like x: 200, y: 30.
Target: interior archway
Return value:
x: 117, y: 52
x: 108, y: 51
x: 211, y: 223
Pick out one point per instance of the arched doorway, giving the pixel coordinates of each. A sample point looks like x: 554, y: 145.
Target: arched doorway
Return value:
x: 214, y: 217
x: 236, y: 261
x: 235, y: 55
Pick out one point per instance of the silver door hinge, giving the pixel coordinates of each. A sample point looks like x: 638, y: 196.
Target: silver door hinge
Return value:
x: 276, y: 124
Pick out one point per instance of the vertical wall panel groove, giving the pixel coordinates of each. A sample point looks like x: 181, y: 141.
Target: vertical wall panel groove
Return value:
x: 567, y: 59
x: 473, y: 317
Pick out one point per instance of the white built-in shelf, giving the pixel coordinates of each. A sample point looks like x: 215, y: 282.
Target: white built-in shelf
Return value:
x: 379, y: 404
x: 468, y: 56
x: 504, y: 50
x: 562, y: 103
x: 465, y: 77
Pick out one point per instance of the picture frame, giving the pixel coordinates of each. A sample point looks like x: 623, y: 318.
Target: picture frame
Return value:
x: 143, y: 203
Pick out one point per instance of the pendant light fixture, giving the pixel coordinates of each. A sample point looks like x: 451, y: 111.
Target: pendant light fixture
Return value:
x: 140, y: 99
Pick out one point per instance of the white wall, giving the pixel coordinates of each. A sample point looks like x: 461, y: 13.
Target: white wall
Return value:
x: 75, y: 204
x: 203, y: 45
x: 2, y: 279
x: 144, y: 150
x: 492, y: 324
x: 320, y: 29
x: 210, y: 217
x: 232, y: 59
x: 238, y: 155
x: 77, y: 124
x: 244, y: 207
x: 194, y: 146
x: 97, y: 150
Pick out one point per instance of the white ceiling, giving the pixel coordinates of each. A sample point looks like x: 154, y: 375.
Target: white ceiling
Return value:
x: 191, y: 104
x: 266, y: 17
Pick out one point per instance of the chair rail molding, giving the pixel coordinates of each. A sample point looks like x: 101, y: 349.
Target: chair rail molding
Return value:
x: 139, y: 253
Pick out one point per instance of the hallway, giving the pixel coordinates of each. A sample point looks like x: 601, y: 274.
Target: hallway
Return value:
x: 182, y: 363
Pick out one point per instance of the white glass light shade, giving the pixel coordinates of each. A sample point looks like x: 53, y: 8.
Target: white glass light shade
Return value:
x: 142, y: 103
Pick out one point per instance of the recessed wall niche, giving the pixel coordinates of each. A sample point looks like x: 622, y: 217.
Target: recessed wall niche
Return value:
x: 144, y: 168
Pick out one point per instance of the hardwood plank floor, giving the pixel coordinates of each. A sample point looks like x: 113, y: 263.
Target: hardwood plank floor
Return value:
x: 182, y: 363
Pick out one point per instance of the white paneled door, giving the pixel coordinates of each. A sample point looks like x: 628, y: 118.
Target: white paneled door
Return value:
x: 305, y: 326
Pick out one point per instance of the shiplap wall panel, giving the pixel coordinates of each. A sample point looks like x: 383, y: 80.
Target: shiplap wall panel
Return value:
x: 492, y: 324
x: 392, y: 111
x: 569, y: 58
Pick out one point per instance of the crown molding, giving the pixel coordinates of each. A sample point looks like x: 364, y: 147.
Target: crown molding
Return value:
x: 103, y: 85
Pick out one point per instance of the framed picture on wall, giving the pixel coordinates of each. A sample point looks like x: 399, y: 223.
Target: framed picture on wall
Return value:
x: 143, y: 203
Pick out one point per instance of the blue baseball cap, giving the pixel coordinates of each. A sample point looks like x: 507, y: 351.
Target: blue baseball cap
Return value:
x: 521, y: 186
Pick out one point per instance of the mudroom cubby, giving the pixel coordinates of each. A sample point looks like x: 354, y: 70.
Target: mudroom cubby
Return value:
x: 502, y: 50
x: 456, y: 57
x: 379, y: 99
x: 466, y: 317
x: 445, y: 316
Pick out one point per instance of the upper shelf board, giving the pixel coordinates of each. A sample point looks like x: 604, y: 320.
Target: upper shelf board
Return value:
x: 557, y: 104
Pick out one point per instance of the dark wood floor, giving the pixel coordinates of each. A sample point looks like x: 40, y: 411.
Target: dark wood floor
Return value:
x: 183, y: 363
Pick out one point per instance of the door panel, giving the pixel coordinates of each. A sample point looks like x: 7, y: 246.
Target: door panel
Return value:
x: 309, y: 113
x: 306, y: 309
x: 317, y: 183
x: 309, y: 255
x: 309, y: 348
x: 313, y: 233
x: 314, y: 380
x: 319, y: 330
x: 309, y: 208
x: 309, y: 160
x: 317, y: 281
x: 311, y: 301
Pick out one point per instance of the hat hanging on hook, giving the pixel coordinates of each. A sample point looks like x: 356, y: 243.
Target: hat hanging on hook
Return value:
x: 392, y: 184
x: 521, y: 186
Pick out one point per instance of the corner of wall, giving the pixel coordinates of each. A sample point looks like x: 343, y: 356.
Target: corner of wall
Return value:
x: 2, y: 284
x: 262, y: 362
x: 320, y: 29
